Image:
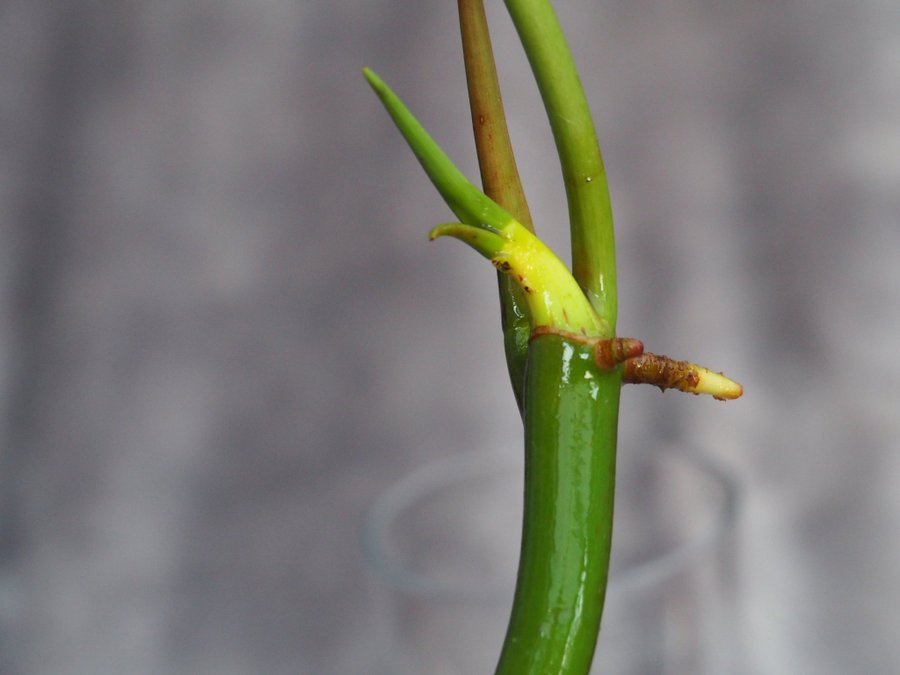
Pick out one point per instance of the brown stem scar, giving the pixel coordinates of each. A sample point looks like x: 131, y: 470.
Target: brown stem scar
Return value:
x: 608, y: 352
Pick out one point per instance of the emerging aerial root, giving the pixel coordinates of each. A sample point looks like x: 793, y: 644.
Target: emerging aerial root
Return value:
x: 640, y: 367
x: 667, y: 373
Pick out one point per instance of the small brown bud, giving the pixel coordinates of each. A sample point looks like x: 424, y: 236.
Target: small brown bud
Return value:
x: 610, y: 353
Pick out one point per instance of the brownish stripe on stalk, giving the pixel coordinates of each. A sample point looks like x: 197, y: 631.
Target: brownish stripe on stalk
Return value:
x: 499, y: 174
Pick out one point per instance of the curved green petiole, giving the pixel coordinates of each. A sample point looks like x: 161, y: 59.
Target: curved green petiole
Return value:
x: 584, y: 176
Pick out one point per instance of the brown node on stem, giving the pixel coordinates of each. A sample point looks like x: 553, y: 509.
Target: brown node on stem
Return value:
x: 610, y: 353
x: 640, y: 367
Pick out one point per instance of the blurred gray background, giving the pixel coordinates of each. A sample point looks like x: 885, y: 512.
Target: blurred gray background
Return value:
x: 223, y: 332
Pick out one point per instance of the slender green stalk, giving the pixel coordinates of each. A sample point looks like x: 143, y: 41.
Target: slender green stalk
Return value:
x: 590, y: 213
x: 499, y: 175
x: 570, y: 414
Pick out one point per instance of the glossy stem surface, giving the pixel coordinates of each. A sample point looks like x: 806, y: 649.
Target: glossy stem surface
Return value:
x: 587, y: 193
x: 571, y: 411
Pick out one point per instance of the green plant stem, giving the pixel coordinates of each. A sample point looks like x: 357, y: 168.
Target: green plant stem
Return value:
x: 570, y: 442
x: 573, y: 365
x: 590, y: 212
x: 499, y: 175
x: 570, y: 405
x: 571, y: 409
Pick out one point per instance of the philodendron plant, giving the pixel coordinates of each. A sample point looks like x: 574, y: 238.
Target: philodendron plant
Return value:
x: 565, y: 361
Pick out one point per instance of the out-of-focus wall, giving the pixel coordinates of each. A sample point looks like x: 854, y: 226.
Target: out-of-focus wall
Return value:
x: 222, y: 330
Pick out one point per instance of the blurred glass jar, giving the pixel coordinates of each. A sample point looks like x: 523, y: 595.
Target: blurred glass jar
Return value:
x: 444, y: 544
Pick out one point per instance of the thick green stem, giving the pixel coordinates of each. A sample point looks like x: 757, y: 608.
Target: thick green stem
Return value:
x: 571, y: 411
x: 590, y: 213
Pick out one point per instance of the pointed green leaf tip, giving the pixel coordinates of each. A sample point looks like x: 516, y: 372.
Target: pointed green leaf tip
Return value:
x: 553, y: 296
x: 467, y: 202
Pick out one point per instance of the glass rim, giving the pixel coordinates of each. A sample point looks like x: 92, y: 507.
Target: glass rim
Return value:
x: 634, y: 578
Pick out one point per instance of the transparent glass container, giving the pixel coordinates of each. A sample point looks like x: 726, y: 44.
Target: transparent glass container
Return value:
x: 443, y: 543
